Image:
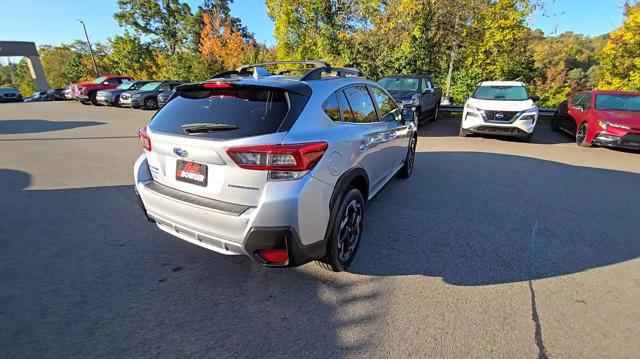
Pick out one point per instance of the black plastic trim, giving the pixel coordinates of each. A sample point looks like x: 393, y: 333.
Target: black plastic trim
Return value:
x: 277, y: 237
x: 345, y: 181
x: 225, y: 207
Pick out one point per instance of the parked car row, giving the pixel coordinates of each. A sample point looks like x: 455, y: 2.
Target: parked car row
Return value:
x: 123, y: 91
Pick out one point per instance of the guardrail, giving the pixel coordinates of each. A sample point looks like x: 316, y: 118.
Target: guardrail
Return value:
x: 544, y: 112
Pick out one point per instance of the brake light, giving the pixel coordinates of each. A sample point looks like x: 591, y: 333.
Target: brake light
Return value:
x: 217, y: 85
x: 283, y: 161
x: 144, y: 138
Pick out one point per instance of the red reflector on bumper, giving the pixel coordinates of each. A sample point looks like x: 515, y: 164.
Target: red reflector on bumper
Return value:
x: 274, y: 256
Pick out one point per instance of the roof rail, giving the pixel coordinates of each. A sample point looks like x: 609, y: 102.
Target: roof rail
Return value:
x: 316, y: 64
x: 316, y: 74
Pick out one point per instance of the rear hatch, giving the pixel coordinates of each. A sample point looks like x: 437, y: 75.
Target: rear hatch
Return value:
x: 190, y: 136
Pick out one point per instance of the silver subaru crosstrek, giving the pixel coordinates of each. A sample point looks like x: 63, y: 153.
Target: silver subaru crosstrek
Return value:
x: 275, y: 167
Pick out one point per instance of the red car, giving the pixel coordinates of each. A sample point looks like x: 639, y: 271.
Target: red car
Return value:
x: 601, y: 118
x: 85, y: 92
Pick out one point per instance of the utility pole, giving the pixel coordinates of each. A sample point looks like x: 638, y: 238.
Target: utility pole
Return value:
x: 93, y: 58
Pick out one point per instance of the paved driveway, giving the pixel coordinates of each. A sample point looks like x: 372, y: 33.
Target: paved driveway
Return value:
x: 494, y: 248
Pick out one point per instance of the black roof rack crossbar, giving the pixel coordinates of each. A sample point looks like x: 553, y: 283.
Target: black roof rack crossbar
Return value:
x: 316, y: 64
x: 316, y: 74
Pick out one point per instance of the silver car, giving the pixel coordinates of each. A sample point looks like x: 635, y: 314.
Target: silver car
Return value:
x: 277, y: 168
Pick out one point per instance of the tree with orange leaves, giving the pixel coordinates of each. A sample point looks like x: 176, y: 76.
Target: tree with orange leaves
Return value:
x: 222, y: 44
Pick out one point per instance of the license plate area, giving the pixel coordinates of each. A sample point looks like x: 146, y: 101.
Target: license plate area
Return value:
x: 191, y: 172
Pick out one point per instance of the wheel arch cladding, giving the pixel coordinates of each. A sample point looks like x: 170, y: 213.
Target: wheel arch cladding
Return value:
x: 356, y: 178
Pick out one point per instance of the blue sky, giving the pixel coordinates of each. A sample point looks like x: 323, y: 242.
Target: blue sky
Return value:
x: 54, y: 21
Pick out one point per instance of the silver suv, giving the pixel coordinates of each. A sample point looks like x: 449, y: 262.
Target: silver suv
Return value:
x: 275, y: 167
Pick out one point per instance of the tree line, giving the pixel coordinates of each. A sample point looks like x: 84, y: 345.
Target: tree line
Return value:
x: 473, y: 40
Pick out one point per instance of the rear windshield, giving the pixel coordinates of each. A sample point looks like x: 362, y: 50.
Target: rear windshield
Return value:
x: 628, y: 103
x: 253, y: 111
x: 502, y: 93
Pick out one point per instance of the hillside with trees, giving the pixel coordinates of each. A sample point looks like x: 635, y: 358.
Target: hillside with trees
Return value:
x: 476, y: 39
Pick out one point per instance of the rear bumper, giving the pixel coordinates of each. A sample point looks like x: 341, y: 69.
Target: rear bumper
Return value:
x: 236, y: 229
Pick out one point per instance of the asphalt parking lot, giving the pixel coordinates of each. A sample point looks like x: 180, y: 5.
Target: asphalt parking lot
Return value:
x: 494, y: 248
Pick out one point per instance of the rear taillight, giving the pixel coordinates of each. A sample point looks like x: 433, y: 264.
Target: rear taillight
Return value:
x: 284, y: 162
x: 144, y: 138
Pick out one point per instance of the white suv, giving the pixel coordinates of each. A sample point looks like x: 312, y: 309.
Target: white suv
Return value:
x: 500, y: 108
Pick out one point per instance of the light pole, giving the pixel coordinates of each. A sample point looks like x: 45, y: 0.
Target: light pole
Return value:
x: 93, y: 58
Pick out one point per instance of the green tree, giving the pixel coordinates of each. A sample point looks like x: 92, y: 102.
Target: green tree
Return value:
x: 165, y: 20
x: 620, y: 58
x: 130, y: 56
x: 54, y: 60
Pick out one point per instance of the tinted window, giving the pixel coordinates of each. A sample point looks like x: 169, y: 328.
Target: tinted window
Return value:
x: 502, y: 93
x: 400, y: 83
x: 629, y: 103
x: 385, y: 103
x: 581, y: 100
x: 255, y: 111
x: 332, y: 108
x: 345, y: 109
x: 361, y: 104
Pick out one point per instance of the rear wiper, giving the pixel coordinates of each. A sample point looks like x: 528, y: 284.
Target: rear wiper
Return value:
x: 207, y: 127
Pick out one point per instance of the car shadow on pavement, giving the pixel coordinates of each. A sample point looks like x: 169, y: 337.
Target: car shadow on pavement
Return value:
x: 14, y: 127
x: 481, y: 219
x: 84, y: 275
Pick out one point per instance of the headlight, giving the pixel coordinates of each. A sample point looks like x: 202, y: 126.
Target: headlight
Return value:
x: 603, y: 124
x: 530, y: 118
x: 413, y: 101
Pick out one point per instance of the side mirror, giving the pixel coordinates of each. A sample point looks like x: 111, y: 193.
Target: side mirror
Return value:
x: 428, y: 91
x: 535, y: 98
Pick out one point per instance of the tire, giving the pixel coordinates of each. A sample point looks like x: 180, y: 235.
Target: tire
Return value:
x: 581, y: 135
x: 150, y: 103
x: 435, y: 113
x: 347, y: 227
x: 527, y: 138
x: 463, y: 132
x: 85, y: 102
x: 92, y: 99
x: 409, y: 162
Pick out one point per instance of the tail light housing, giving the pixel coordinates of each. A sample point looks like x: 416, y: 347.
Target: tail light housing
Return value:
x: 284, y: 162
x: 145, y: 140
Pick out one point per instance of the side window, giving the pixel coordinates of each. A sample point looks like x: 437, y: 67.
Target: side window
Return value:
x: 332, y: 108
x: 345, y: 109
x: 386, y: 105
x: 577, y: 100
x: 361, y: 104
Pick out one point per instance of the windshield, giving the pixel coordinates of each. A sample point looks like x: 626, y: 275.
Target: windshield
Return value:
x: 629, y: 103
x: 503, y: 93
x: 400, y: 83
x: 99, y: 80
x: 125, y: 85
x: 150, y: 86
